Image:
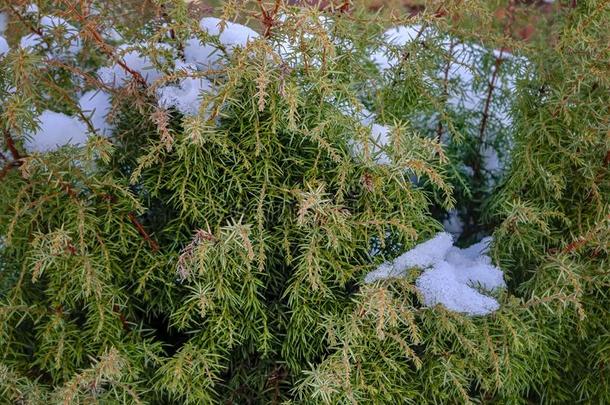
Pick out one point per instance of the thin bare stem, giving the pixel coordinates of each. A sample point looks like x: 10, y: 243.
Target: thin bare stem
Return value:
x: 439, y: 128
x: 154, y: 246
x: 492, y: 85
x: 27, y: 23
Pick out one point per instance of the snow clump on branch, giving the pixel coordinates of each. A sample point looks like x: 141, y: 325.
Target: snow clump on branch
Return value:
x: 452, y: 276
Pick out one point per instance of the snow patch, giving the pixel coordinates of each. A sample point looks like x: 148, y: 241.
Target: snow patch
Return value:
x: 203, y: 56
x: 396, y: 36
x: 229, y: 34
x: 4, y: 48
x: 56, y: 130
x: 452, y: 276
x: 3, y: 22
x: 453, y: 223
x: 185, y: 96
x: 31, y: 9
x: 115, y: 75
x: 96, y: 105
x: 54, y: 27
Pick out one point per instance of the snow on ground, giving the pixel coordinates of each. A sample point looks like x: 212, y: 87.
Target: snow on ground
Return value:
x: 452, y: 276
x: 96, y: 105
x: 56, y: 130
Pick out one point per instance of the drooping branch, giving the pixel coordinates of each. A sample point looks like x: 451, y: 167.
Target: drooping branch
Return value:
x: 98, y: 84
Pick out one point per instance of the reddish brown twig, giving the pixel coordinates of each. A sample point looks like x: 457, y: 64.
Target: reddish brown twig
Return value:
x: 73, y: 193
x: 154, y: 246
x: 104, y: 46
x: 27, y: 23
x: 9, y: 166
x: 87, y: 77
x: 439, y: 128
x: 122, y: 317
x: 10, y: 144
x: 581, y: 240
x: 16, y: 162
x: 345, y: 6
x: 268, y: 18
x: 488, y: 98
x: 492, y: 84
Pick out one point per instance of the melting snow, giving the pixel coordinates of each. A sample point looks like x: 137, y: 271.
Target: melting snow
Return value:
x: 451, y: 276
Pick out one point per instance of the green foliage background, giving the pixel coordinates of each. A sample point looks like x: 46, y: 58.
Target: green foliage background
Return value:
x: 220, y: 259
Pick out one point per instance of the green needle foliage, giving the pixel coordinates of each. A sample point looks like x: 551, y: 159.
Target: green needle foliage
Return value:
x: 219, y: 256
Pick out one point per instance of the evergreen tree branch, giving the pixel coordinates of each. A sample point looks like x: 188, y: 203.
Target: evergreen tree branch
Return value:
x: 25, y: 21
x: 106, y: 48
